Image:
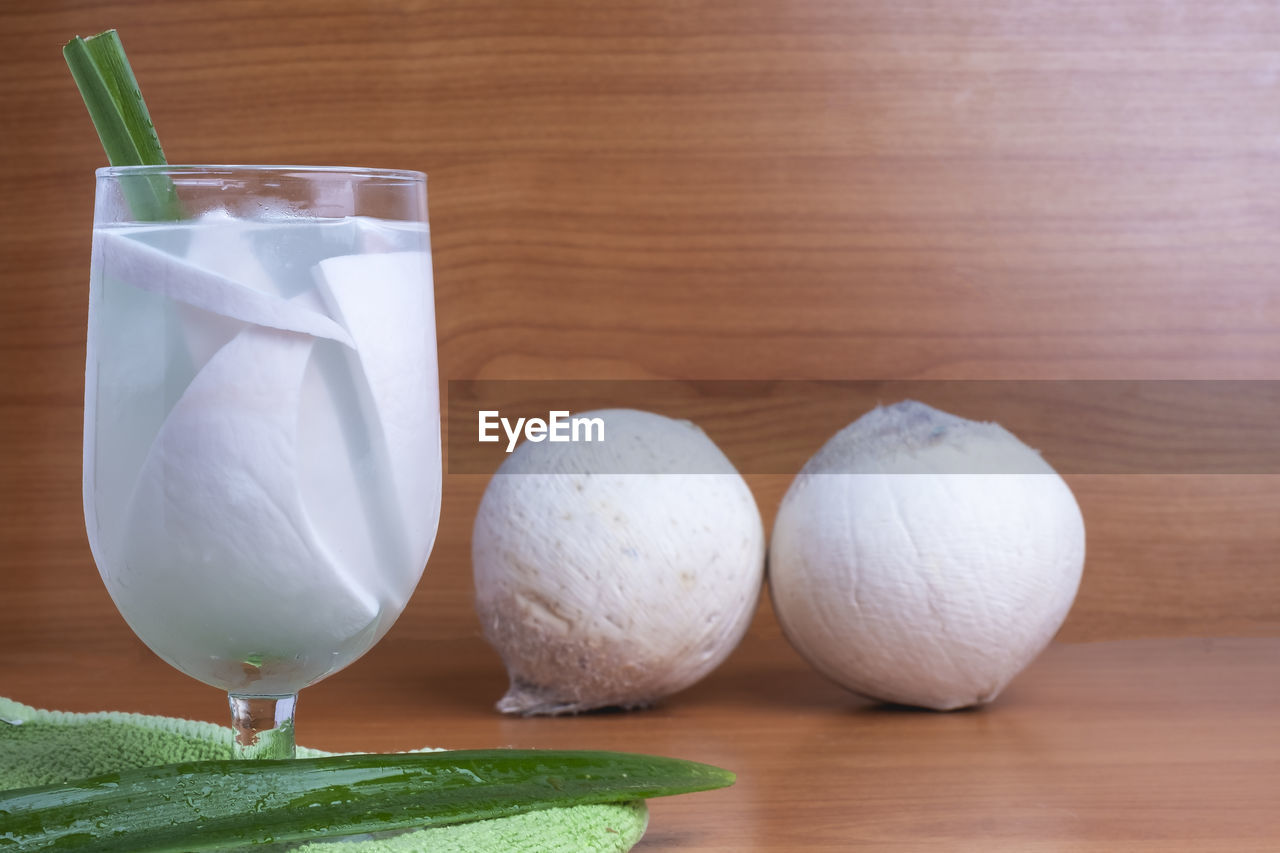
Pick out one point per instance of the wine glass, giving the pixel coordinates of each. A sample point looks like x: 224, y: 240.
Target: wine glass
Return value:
x: 262, y: 464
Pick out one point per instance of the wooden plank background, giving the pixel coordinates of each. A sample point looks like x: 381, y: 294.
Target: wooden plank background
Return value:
x: 758, y: 189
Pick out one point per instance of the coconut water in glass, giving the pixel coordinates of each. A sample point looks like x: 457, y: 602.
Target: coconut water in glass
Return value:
x: 262, y: 465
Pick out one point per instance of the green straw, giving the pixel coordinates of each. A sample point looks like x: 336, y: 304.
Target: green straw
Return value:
x: 110, y: 91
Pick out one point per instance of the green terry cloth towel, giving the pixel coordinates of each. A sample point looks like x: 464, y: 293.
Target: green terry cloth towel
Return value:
x: 47, y: 747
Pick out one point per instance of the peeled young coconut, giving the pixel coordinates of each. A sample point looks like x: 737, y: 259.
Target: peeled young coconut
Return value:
x: 924, y: 559
x: 614, y: 573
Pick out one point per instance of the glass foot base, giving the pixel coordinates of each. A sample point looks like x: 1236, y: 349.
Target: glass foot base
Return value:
x: 263, y: 726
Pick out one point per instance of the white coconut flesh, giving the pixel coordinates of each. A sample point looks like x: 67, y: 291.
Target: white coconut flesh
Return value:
x: 614, y: 574
x: 923, y: 559
x: 255, y: 488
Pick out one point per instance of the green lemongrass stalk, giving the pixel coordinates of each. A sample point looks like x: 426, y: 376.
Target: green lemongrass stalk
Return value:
x: 110, y: 91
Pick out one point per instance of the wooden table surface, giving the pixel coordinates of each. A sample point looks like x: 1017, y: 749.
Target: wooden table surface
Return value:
x: 1140, y: 745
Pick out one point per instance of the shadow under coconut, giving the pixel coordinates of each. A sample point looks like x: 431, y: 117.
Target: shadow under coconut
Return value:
x: 875, y: 707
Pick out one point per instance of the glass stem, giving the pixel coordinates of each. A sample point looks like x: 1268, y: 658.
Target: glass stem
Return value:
x: 263, y: 725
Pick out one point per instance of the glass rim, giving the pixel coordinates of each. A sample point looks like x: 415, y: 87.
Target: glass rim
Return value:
x: 222, y: 169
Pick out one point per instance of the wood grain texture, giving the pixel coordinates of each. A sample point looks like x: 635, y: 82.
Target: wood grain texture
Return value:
x: 752, y: 190
x: 1135, y: 746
